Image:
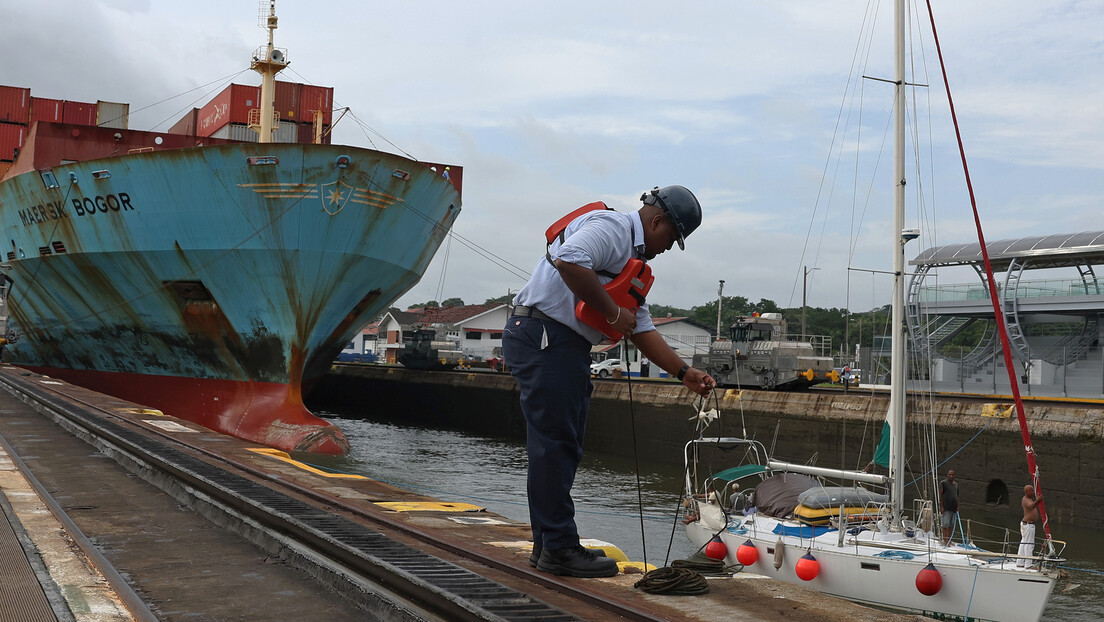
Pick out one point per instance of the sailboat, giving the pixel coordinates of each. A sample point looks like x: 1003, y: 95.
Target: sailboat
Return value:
x: 830, y: 530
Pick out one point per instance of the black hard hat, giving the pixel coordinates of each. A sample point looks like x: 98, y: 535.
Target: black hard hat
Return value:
x: 680, y: 205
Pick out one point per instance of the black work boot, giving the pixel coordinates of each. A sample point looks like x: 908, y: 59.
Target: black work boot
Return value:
x: 575, y: 561
x: 534, y: 557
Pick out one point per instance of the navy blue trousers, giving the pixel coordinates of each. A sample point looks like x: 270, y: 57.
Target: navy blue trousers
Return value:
x: 555, y: 394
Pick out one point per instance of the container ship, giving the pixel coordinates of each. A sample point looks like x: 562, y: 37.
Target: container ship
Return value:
x: 215, y: 270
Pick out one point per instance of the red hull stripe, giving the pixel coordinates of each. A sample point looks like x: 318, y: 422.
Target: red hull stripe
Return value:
x: 268, y: 413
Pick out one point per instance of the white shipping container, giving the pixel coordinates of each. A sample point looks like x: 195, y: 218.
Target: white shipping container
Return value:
x: 235, y: 131
x: 288, y: 132
x: 113, y: 114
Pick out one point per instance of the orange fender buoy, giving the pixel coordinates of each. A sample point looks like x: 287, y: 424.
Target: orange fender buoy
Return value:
x: 747, y: 554
x: 807, y: 567
x: 929, y: 580
x: 716, y: 548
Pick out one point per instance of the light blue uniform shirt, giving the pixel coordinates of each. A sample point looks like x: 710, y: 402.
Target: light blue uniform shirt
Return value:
x: 601, y: 240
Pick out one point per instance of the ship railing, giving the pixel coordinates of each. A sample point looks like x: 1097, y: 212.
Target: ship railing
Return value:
x: 279, y: 55
x: 753, y: 458
x: 254, y: 118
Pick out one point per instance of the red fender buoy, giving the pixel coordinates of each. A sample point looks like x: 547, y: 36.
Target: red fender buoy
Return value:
x: 716, y: 549
x: 929, y: 581
x: 807, y: 567
x: 747, y: 554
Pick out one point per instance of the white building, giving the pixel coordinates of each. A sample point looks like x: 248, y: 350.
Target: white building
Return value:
x: 481, y: 334
x: 685, y: 336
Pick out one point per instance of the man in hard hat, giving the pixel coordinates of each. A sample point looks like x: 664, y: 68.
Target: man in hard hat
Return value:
x: 548, y: 347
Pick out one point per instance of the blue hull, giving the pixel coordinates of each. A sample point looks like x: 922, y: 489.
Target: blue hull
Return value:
x: 202, y: 269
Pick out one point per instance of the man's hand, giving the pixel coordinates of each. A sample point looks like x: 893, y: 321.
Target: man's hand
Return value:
x: 624, y: 321
x: 698, y: 381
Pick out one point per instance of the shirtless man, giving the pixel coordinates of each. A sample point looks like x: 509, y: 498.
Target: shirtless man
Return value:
x: 1030, y: 504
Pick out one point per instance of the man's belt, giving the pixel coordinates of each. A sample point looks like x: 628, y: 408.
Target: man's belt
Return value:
x: 524, y: 311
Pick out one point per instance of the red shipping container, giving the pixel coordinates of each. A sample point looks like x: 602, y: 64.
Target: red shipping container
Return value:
x: 11, y: 139
x: 313, y: 98
x: 81, y: 113
x: 15, y: 104
x: 43, y: 109
x: 187, y: 124
x: 306, y: 133
x: 287, y: 100
x: 232, y: 105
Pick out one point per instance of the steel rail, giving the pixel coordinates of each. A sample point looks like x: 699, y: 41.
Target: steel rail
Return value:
x: 57, y: 401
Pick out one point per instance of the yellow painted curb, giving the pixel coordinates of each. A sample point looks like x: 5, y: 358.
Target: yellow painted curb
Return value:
x: 429, y: 506
x: 283, y: 456
x: 634, y: 567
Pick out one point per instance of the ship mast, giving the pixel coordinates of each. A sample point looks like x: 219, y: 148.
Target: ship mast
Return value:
x: 898, y: 375
x: 267, y: 61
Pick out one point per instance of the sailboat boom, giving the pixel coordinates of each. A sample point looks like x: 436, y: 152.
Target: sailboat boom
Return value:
x: 855, y: 476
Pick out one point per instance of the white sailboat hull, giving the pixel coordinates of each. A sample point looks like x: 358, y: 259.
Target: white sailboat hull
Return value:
x: 977, y: 586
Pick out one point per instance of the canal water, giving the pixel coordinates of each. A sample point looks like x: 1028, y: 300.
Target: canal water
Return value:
x: 490, y: 472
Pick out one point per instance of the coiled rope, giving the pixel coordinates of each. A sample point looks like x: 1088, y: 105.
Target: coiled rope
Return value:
x: 685, y: 577
x: 673, y: 581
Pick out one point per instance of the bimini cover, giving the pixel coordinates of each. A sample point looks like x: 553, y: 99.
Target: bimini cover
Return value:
x: 823, y: 497
x: 777, y: 495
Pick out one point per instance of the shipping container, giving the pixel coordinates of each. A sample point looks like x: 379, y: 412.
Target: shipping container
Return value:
x: 12, y: 136
x: 44, y: 109
x: 80, y: 113
x: 235, y: 131
x: 232, y: 105
x: 287, y: 101
x: 306, y: 133
x: 4, y: 166
x: 15, y: 105
x: 313, y: 98
x: 187, y: 124
x: 112, y: 114
x: 288, y: 132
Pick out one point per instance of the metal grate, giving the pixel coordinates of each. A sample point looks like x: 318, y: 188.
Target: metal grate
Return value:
x: 374, y: 550
x: 21, y: 596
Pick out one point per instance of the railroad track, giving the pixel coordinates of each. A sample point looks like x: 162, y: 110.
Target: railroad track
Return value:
x: 351, y: 549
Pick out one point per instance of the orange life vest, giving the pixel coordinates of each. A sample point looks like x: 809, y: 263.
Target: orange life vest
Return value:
x: 628, y: 289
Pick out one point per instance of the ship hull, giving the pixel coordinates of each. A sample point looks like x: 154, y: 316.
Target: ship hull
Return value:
x: 211, y: 282
x: 974, y: 584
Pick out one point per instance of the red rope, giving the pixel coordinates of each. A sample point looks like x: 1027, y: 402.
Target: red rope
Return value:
x: 1032, y: 467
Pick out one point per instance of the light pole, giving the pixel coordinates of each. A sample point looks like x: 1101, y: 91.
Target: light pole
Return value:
x: 719, y: 290
x: 804, y: 281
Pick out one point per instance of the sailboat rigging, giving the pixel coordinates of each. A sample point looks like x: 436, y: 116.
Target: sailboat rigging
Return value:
x: 849, y: 541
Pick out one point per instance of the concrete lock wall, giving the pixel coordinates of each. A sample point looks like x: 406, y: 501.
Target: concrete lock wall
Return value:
x: 839, y: 429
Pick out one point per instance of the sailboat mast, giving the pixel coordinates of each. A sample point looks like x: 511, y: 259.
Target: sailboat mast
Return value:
x: 898, y: 360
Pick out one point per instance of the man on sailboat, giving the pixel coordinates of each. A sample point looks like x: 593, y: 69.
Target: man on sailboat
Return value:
x: 547, y: 342
x: 1030, y: 504
x: 948, y: 505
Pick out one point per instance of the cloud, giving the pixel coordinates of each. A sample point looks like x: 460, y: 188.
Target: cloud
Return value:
x: 753, y: 105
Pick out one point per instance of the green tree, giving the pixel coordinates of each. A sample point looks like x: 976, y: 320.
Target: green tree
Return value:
x: 731, y: 306
x: 666, y: 311
x: 425, y: 305
x: 452, y: 302
x: 503, y: 299
x: 766, y: 306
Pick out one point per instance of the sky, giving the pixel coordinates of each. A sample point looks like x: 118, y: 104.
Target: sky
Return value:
x: 759, y: 107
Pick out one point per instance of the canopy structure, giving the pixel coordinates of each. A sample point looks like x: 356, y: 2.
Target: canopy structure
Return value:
x: 1042, y: 251
x: 935, y: 314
